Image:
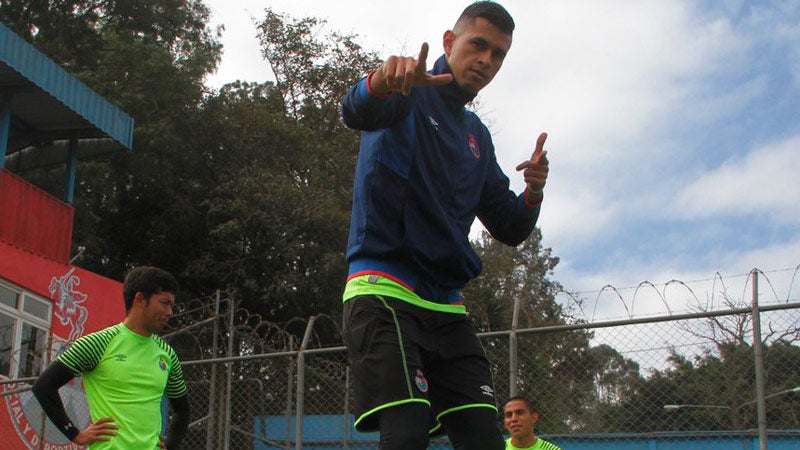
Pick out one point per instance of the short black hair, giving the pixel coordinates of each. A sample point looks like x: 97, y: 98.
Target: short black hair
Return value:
x: 491, y: 11
x: 523, y: 399
x: 148, y: 280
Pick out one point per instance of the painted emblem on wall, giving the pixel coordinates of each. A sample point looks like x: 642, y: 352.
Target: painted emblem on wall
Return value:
x: 67, y: 301
x: 26, y: 416
x: 23, y: 409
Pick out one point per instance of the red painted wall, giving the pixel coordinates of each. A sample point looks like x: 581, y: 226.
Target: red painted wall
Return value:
x: 83, y: 302
x: 33, y: 220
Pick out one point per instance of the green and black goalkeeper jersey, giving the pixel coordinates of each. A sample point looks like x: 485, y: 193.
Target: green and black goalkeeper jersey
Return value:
x: 540, y: 444
x: 125, y: 376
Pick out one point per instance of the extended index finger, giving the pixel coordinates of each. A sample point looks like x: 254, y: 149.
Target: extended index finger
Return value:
x: 423, y: 53
x: 539, y: 145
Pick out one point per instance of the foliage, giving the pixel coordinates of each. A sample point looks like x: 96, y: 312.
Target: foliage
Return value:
x: 224, y: 189
x: 719, y: 386
x: 149, y: 57
x: 513, y: 274
x: 121, y: 48
x: 278, y: 208
x: 312, y: 70
x: 560, y: 370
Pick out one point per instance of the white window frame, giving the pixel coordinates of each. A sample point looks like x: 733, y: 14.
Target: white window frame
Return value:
x: 21, y: 318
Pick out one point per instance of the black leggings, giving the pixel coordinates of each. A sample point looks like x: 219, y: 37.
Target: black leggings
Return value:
x: 405, y: 427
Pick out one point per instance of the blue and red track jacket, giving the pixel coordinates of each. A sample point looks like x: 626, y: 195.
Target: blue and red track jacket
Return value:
x: 426, y: 169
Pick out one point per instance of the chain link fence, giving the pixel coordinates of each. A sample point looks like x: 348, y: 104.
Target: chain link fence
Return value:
x: 695, y: 378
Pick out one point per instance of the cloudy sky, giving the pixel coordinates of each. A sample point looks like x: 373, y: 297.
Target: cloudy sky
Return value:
x: 674, y: 131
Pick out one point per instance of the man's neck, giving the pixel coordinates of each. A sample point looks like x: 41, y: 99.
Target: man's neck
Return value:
x: 525, y: 442
x: 136, y: 327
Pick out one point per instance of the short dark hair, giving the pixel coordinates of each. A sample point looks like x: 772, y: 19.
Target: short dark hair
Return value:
x: 491, y: 11
x: 148, y: 280
x: 523, y: 399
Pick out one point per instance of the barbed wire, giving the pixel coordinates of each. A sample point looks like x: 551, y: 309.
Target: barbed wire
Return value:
x: 717, y: 295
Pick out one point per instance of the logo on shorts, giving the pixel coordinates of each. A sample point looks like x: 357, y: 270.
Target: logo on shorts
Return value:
x: 121, y: 357
x: 162, y: 364
x: 487, y: 390
x: 422, y: 383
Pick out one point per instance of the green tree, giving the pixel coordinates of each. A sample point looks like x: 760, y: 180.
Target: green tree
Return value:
x: 557, y: 368
x: 149, y: 57
x: 278, y: 206
x: 246, y: 188
x: 721, y: 380
x: 312, y: 69
x: 513, y: 274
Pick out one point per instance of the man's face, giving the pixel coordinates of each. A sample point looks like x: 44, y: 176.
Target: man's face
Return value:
x: 518, y: 420
x: 475, y: 51
x: 158, y: 310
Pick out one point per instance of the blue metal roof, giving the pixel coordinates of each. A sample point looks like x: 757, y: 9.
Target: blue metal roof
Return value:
x: 48, y: 104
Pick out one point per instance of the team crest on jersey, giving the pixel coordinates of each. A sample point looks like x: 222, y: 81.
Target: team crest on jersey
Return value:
x: 422, y: 383
x: 473, y: 147
x: 162, y: 364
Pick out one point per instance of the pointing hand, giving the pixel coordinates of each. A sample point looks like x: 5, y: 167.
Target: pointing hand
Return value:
x: 402, y: 73
x: 536, y: 169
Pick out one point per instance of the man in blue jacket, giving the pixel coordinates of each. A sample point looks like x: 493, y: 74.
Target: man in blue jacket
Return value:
x: 426, y: 169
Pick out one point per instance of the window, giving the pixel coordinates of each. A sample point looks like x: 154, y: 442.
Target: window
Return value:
x: 6, y: 342
x: 24, y: 331
x: 8, y: 296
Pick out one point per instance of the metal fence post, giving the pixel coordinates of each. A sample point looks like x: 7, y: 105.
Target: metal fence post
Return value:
x: 346, y: 431
x: 301, y: 386
x: 212, y: 388
x: 758, y: 352
x: 227, y: 425
x: 289, y: 386
x: 513, y: 362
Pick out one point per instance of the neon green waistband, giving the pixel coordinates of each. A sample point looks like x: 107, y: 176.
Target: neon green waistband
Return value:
x: 378, y: 285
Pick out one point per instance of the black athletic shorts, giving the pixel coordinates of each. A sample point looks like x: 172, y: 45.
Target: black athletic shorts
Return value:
x: 401, y: 353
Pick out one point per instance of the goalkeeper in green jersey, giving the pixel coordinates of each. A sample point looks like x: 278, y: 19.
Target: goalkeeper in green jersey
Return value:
x: 126, y: 370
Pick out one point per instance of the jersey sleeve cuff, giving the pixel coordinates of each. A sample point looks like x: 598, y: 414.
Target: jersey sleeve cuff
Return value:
x: 373, y: 93
x: 69, y: 430
x: 532, y: 204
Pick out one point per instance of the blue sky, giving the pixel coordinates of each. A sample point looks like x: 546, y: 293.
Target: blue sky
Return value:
x: 674, y: 128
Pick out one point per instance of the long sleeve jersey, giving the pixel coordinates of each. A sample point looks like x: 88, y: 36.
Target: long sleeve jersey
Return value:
x: 426, y: 169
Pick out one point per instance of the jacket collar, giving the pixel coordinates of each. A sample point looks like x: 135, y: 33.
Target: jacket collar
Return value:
x: 452, y: 93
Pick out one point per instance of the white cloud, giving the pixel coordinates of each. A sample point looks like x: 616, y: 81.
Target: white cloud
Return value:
x: 762, y: 181
x: 609, y: 81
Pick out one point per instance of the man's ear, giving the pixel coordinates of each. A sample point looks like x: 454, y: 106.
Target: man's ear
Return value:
x: 139, y: 298
x: 535, y: 416
x: 447, y: 41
